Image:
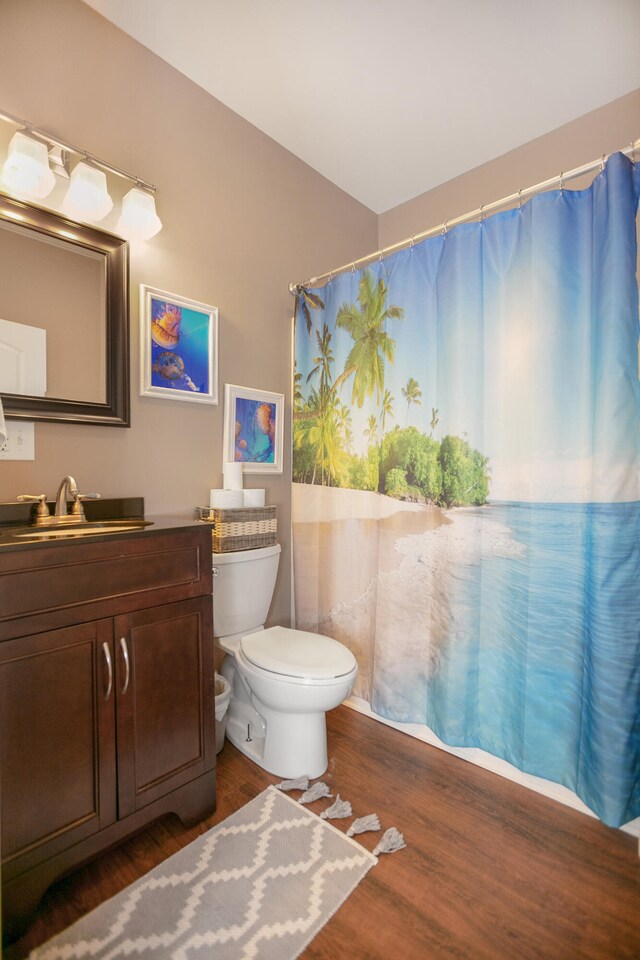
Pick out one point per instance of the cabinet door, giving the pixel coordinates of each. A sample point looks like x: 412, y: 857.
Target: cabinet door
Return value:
x: 57, y: 744
x: 165, y: 700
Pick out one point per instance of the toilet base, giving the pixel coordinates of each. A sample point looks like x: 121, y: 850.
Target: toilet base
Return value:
x: 292, y: 745
x: 240, y: 731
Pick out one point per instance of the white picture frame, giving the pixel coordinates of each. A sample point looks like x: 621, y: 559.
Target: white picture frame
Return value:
x: 178, y: 347
x: 253, y: 428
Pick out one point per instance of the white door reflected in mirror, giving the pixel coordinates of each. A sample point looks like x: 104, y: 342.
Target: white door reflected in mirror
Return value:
x: 23, y: 359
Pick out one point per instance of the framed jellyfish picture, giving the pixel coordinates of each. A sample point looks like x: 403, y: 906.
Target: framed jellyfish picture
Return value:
x: 253, y: 428
x: 178, y: 347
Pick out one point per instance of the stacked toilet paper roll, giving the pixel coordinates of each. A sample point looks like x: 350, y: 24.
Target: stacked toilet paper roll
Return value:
x: 232, y: 495
x: 253, y: 498
x: 232, y: 475
x: 225, y: 499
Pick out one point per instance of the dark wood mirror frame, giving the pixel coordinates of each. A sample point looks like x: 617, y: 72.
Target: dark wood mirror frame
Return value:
x: 114, y: 411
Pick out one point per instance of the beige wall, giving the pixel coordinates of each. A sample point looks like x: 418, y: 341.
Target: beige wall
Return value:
x: 242, y: 218
x: 612, y: 127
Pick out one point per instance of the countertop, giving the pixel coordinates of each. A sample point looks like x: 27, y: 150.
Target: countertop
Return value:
x: 16, y: 519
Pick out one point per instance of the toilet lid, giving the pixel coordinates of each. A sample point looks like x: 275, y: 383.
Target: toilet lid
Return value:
x: 296, y: 653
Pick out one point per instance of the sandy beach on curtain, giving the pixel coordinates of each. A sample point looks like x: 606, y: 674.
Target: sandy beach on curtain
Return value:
x: 367, y: 565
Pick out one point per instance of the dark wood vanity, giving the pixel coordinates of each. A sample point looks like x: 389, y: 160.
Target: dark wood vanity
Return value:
x: 106, y: 697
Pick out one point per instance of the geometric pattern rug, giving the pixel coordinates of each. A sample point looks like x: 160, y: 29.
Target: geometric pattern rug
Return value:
x: 258, y: 886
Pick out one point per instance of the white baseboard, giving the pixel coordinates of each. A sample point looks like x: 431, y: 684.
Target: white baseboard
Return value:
x: 483, y: 759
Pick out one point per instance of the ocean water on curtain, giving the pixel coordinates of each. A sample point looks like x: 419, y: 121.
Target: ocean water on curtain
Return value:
x: 534, y: 632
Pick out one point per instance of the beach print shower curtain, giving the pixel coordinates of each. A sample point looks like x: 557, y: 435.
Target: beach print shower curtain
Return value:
x: 466, y: 497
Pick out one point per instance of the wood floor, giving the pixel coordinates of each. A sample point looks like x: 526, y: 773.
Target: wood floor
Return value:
x: 491, y: 870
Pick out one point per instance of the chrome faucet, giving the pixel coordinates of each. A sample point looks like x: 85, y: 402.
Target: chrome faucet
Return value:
x: 67, y: 490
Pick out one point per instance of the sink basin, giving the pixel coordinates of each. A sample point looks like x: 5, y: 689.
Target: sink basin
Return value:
x: 83, y: 529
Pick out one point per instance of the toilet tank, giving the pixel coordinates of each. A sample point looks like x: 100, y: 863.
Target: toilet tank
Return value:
x: 243, y: 585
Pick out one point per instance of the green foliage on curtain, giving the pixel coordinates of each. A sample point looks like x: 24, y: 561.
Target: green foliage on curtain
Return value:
x: 404, y: 463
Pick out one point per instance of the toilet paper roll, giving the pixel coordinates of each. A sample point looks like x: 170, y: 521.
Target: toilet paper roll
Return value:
x: 225, y: 498
x: 253, y: 498
x: 232, y: 476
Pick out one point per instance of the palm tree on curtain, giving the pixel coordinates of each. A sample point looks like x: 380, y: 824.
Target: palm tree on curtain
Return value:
x: 372, y: 344
x: 372, y: 430
x: 307, y: 430
x: 343, y: 417
x: 435, y: 419
x: 322, y: 433
x: 323, y: 363
x: 305, y: 302
x: 335, y: 453
x: 298, y: 397
x: 324, y: 436
x: 412, y: 394
x: 386, y: 410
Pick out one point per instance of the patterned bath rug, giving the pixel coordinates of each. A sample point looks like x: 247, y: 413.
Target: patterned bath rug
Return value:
x: 258, y: 886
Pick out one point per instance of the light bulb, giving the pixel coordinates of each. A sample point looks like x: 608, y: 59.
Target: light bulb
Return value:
x: 138, y: 220
x: 26, y: 171
x: 87, y: 197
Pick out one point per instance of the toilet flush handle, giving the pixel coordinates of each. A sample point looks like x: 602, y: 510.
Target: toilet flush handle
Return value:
x: 216, y: 571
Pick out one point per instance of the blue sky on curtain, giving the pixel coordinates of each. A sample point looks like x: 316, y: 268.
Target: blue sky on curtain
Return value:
x: 466, y: 484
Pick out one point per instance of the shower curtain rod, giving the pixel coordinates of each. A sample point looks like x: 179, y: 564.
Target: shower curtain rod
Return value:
x: 479, y: 213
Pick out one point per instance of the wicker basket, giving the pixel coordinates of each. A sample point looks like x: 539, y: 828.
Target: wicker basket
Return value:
x: 245, y: 528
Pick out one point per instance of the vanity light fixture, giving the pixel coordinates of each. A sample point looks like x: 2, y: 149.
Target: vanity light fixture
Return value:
x: 138, y: 220
x: 28, y: 174
x: 87, y: 197
x: 26, y: 170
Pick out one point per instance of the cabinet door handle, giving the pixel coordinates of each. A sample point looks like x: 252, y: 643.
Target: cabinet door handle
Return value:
x: 107, y: 656
x: 127, y: 669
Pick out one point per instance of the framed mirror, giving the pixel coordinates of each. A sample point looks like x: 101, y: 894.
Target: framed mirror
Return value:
x: 64, y: 307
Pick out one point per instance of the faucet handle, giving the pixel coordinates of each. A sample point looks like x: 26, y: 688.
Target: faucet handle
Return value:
x: 42, y: 510
x: 77, y: 510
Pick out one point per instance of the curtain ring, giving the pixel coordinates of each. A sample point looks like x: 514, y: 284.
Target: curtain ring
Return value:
x: 520, y: 198
x: 602, y: 160
x: 330, y: 275
x: 561, y: 180
x: 411, y: 243
x: 481, y: 217
x: 444, y: 228
x: 353, y: 267
x: 380, y: 258
x: 632, y: 144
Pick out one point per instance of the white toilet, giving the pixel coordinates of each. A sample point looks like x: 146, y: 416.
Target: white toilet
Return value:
x: 282, y: 681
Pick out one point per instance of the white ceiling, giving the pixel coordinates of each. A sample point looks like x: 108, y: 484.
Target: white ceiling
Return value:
x: 389, y: 98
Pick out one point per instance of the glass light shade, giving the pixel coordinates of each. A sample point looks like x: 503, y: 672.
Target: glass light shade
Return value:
x: 26, y: 170
x: 87, y: 197
x: 138, y: 220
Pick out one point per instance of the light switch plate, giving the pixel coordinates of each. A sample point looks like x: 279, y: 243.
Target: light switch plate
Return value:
x: 20, y: 443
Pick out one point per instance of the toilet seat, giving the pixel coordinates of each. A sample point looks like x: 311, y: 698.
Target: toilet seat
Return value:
x: 297, y: 653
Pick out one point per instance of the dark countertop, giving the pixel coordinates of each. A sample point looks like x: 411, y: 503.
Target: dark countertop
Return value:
x: 15, y: 519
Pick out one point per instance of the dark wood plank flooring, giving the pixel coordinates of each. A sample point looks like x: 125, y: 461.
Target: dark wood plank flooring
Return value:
x: 491, y: 870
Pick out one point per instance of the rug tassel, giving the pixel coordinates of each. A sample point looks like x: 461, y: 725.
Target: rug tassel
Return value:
x: 338, y: 809
x: 316, y: 792
x: 362, y: 824
x: 391, y: 841
x: 302, y: 783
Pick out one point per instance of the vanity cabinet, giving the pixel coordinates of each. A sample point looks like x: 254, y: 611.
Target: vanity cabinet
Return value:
x: 58, y: 744
x: 106, y: 700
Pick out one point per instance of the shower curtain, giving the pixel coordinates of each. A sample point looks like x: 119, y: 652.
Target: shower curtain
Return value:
x: 466, y: 497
